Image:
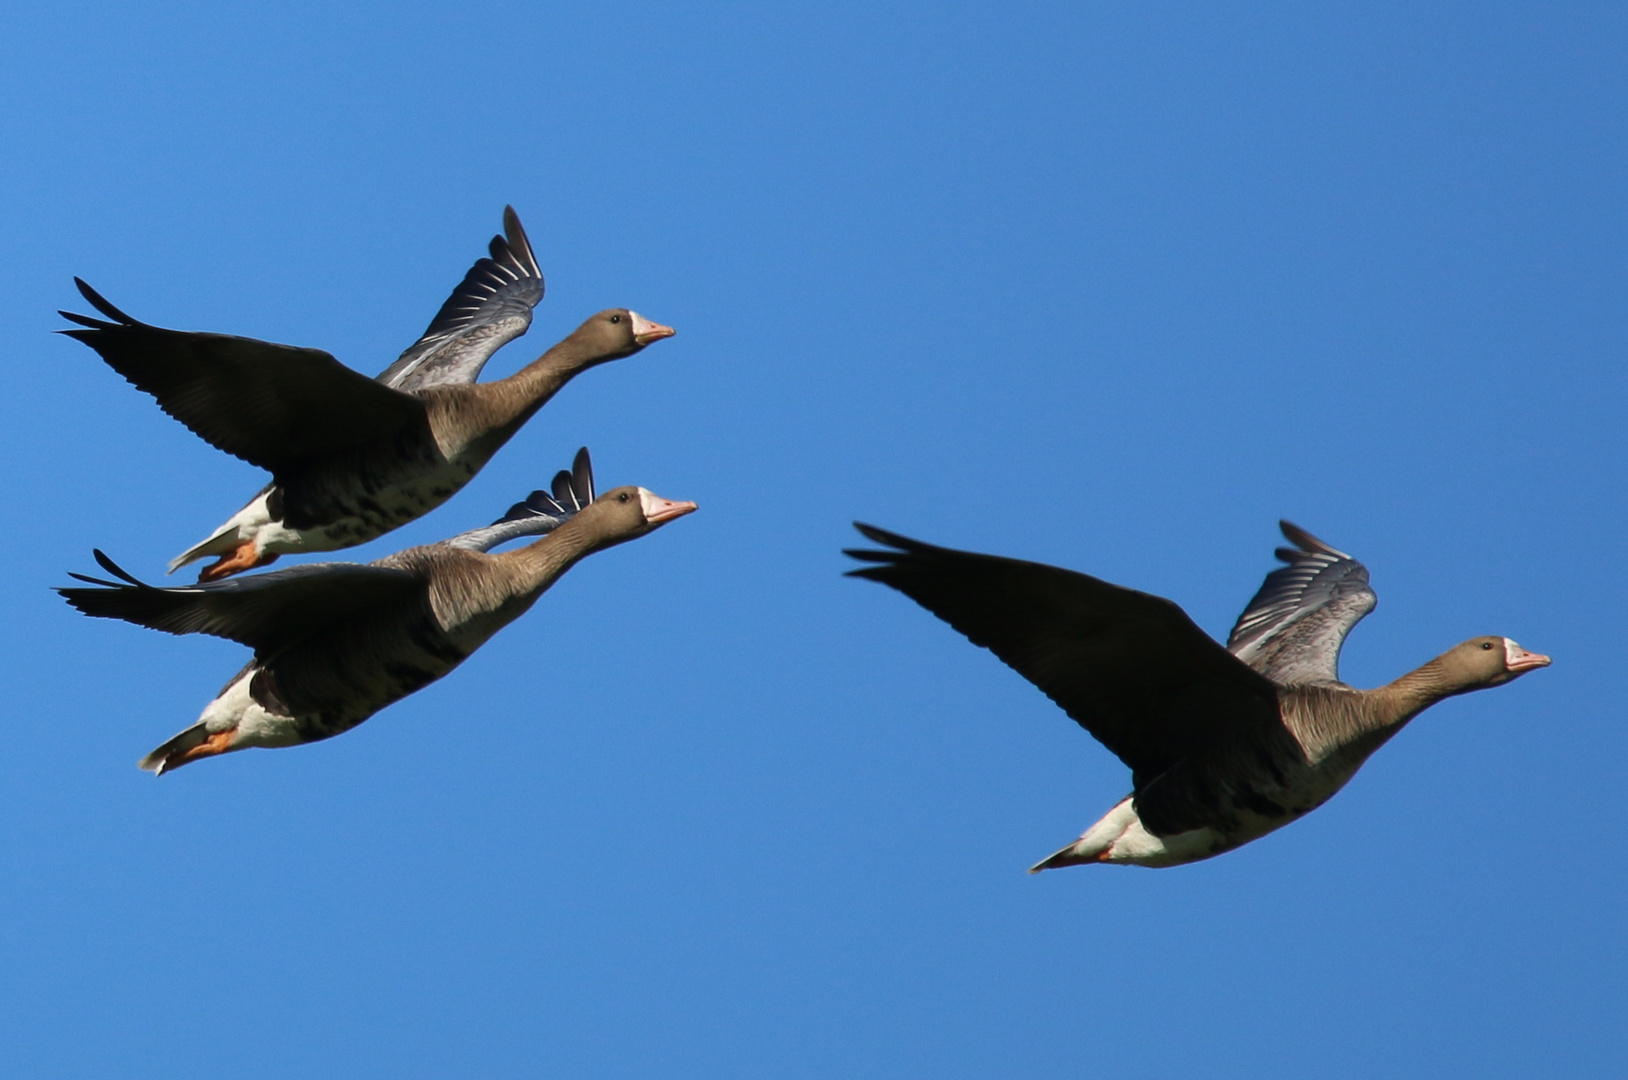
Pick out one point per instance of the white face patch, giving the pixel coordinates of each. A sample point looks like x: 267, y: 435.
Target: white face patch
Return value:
x: 1512, y: 652
x: 650, y: 503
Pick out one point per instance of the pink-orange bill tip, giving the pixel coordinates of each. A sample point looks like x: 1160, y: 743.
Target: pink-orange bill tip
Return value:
x: 658, y: 510
x: 1518, y: 659
x: 645, y: 331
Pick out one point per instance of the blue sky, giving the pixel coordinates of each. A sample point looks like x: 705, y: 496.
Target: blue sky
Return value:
x: 1113, y: 286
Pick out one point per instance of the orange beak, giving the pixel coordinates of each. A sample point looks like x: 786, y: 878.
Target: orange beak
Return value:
x: 1519, y: 660
x: 645, y: 331
x: 659, y: 511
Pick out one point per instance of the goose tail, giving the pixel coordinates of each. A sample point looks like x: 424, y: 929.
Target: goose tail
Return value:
x: 1069, y: 856
x: 223, y: 541
x: 193, y: 743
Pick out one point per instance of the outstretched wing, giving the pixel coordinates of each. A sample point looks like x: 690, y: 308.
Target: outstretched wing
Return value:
x: 1292, y: 630
x: 489, y: 308
x: 275, y: 406
x: 1130, y: 668
x: 541, y: 512
x: 266, y: 612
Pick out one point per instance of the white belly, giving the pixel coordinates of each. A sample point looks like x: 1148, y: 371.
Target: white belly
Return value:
x: 1120, y: 837
x: 236, y: 710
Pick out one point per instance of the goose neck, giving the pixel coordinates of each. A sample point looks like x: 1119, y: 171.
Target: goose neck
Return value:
x: 527, y: 390
x: 539, y: 564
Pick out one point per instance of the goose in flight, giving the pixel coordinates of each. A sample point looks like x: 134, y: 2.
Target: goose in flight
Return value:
x: 351, y: 457
x: 1224, y: 744
x: 336, y: 642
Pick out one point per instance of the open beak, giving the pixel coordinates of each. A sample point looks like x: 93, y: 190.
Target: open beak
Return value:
x: 659, y: 511
x: 1518, y: 660
x: 645, y: 331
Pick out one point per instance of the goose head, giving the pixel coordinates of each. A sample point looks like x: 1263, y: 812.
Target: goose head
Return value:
x: 1487, y: 661
x: 626, y: 513
x: 616, y: 333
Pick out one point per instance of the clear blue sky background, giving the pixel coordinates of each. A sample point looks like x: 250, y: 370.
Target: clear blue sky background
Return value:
x: 1113, y: 286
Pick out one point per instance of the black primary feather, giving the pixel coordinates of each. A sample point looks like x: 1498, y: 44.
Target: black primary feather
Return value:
x: 571, y: 492
x: 1130, y: 668
x: 264, y: 611
x: 512, y: 266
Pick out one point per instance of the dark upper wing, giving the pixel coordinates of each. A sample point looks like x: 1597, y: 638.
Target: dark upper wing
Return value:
x: 1132, y: 669
x: 489, y: 308
x: 1292, y: 630
x: 265, y: 611
x: 275, y: 406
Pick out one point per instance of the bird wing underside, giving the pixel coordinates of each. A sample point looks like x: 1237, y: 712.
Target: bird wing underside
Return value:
x: 275, y: 406
x: 489, y: 308
x: 266, y: 612
x: 1130, y: 668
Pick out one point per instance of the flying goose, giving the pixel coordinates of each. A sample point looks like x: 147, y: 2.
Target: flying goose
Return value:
x: 1224, y: 745
x: 351, y: 457
x: 336, y: 642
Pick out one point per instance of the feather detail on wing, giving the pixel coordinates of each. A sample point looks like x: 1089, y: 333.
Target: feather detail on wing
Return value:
x: 1293, y: 629
x: 540, y: 512
x: 275, y: 406
x: 489, y: 308
x: 1130, y: 668
x: 267, y: 612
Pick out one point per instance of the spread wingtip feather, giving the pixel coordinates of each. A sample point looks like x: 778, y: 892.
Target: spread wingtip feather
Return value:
x: 100, y: 303
x: 112, y: 567
x: 1305, y: 542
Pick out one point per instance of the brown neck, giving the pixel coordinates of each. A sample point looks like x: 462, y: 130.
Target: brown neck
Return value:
x: 517, y: 397
x: 533, y: 568
x: 1394, y: 704
x: 1341, y: 721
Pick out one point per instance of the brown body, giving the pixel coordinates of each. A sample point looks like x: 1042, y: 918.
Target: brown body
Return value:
x: 351, y: 457
x: 1224, y: 745
x: 335, y: 643
x: 351, y: 496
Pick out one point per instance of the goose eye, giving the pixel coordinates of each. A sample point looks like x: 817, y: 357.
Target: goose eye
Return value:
x: 1486, y: 644
x: 622, y: 497
x: 616, y: 318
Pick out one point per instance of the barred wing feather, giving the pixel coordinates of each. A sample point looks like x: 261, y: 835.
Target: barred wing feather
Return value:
x: 1293, y: 629
x: 489, y: 308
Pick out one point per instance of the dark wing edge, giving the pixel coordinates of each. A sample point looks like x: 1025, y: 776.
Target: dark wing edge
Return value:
x: 100, y: 303
x: 1293, y: 628
x: 490, y: 307
x: 1129, y: 667
x: 275, y: 406
x: 570, y: 492
x: 263, y: 611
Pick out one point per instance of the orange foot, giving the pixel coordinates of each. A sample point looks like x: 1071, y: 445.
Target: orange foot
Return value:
x: 218, y: 743
x: 241, y: 558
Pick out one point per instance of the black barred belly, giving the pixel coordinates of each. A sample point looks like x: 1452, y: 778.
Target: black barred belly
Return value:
x: 334, y: 683
x: 364, y: 495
